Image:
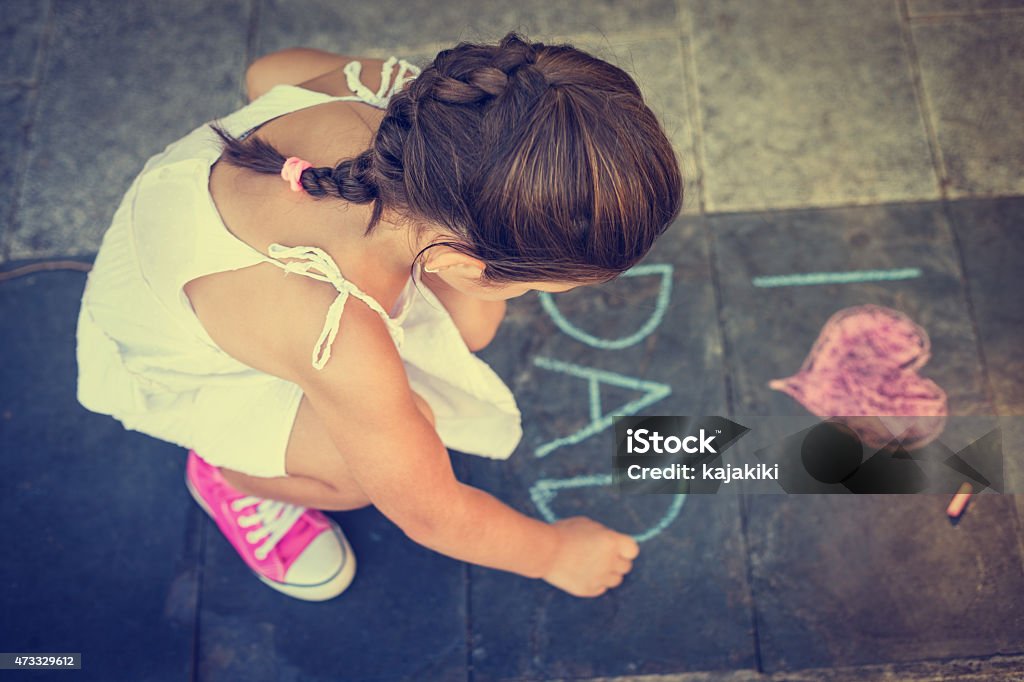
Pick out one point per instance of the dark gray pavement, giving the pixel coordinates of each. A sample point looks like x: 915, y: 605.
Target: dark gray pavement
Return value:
x: 819, y: 136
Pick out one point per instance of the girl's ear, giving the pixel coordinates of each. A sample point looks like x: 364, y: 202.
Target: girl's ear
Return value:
x: 447, y: 259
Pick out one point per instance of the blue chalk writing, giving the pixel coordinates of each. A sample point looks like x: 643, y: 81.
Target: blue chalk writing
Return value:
x: 544, y: 491
x: 653, y: 391
x: 547, y: 301
x: 664, y: 521
x: 836, y: 277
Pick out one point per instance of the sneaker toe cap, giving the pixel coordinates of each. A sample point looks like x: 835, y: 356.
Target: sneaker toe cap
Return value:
x: 322, y: 559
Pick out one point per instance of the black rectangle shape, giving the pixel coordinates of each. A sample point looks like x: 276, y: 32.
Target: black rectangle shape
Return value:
x: 34, y: 661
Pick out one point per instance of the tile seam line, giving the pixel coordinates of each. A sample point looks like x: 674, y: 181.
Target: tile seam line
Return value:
x: 684, y: 26
x: 748, y: 561
x: 921, y: 95
x: 608, y: 37
x: 829, y: 207
x: 716, y: 289
x: 200, y: 578
x: 940, y: 17
x: 251, y: 46
x: 32, y: 109
x: 954, y: 225
x: 464, y: 472
x: 783, y: 675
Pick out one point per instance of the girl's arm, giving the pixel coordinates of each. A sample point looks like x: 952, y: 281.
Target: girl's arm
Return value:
x: 398, y: 460
x: 476, y: 320
x: 395, y: 455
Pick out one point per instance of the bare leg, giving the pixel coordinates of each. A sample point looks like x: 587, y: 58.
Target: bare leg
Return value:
x: 311, y: 451
x: 299, y: 490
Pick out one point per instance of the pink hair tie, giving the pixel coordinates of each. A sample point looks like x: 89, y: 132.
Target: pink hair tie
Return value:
x: 291, y: 171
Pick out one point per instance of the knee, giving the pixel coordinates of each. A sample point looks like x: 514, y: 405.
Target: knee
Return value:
x: 424, y: 408
x: 271, y: 69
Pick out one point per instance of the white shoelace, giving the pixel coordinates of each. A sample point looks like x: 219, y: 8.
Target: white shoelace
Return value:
x: 275, y: 519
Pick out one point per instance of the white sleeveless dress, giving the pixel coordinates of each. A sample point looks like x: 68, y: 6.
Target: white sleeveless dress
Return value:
x: 145, y: 359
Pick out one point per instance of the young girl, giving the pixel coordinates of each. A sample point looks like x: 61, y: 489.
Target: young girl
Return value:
x: 295, y: 292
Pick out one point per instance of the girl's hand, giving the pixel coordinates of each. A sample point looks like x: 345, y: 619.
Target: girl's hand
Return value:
x: 590, y: 558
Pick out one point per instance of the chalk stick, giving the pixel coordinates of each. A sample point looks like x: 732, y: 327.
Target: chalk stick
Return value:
x: 959, y: 502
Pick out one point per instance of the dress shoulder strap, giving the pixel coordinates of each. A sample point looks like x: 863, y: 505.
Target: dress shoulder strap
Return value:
x: 316, y: 263
x: 353, y: 69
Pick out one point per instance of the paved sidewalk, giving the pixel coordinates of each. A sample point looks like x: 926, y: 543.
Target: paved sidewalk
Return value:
x: 867, y: 136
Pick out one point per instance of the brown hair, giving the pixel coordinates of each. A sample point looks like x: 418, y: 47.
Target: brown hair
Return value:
x: 542, y: 161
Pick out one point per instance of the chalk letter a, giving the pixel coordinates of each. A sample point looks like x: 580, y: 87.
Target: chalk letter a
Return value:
x: 599, y: 421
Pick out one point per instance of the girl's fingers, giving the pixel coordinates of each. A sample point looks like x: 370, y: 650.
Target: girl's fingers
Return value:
x: 629, y: 547
x: 622, y: 566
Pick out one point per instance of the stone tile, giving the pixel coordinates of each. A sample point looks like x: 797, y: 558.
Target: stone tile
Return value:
x: 973, y: 77
x: 846, y: 580
x: 826, y: 587
x: 694, y: 566
x: 402, y: 618
x: 993, y: 248
x: 366, y: 29
x: 920, y: 8
x: 787, y: 122
x: 770, y: 331
x: 21, y: 30
x: 100, y: 534
x: 14, y: 123
x: 109, y: 100
x: 684, y: 606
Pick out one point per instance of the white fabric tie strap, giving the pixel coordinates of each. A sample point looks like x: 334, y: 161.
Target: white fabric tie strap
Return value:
x: 313, y: 257
x: 406, y: 72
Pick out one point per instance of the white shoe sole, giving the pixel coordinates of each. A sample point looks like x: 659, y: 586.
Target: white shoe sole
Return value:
x: 328, y: 589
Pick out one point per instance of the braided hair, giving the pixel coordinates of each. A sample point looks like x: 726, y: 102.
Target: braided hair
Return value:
x: 542, y: 161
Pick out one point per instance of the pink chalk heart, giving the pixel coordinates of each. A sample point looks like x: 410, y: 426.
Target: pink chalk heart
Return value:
x: 865, y: 364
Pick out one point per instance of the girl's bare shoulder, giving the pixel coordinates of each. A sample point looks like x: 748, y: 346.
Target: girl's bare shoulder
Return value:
x: 278, y: 331
x: 363, y: 357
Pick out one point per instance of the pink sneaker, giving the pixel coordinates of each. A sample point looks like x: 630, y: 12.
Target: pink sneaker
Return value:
x: 295, y: 550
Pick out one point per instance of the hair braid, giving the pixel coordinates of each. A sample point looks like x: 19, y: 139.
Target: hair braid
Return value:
x: 352, y: 179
